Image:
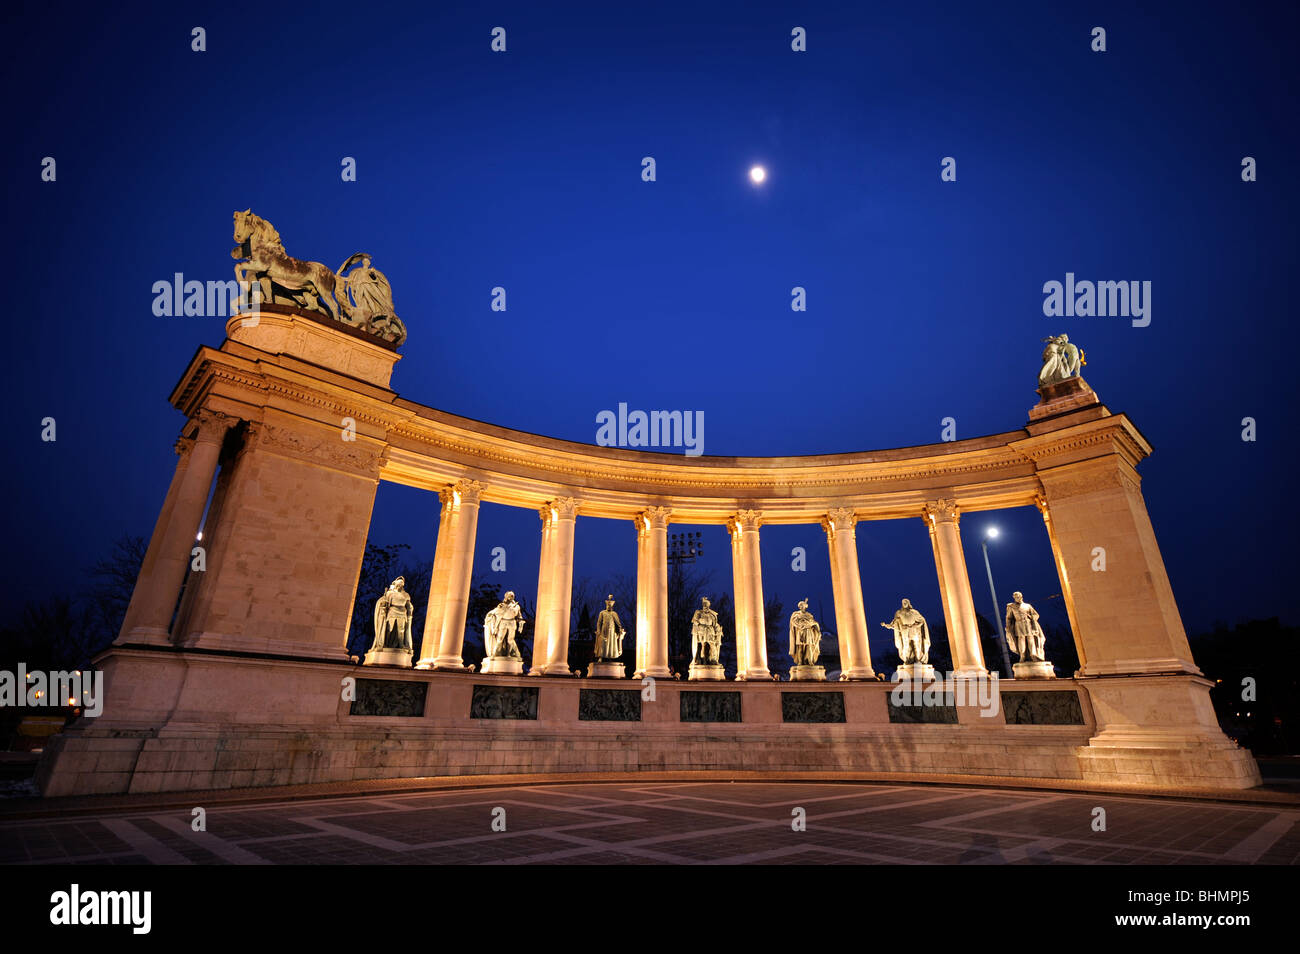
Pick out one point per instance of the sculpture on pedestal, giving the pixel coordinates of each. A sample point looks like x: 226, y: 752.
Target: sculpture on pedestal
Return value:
x: 362, y: 299
x: 1025, y: 637
x: 394, y: 612
x: 805, y: 645
x: 706, y: 643
x: 1061, y: 360
x: 500, y: 627
x: 912, y: 640
x: 609, y: 643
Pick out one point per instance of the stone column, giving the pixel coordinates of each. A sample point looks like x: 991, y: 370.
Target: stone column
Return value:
x: 183, y: 448
x: 654, y: 558
x: 432, y: 633
x: 545, y: 570
x: 564, y: 511
x: 846, y: 581
x: 942, y: 517
x: 466, y: 495
x: 642, y: 630
x: 747, y: 523
x: 740, y: 605
x: 155, y: 595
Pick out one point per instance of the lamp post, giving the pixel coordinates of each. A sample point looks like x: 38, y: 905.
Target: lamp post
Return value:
x: 992, y: 534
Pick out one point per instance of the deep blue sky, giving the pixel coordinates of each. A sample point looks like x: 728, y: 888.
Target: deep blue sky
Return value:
x: 522, y: 169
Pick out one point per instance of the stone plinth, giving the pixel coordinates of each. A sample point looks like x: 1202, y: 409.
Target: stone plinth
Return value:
x: 807, y: 673
x: 388, y: 657
x: 1033, y: 670
x: 503, y: 665
x: 176, y: 721
x: 705, y: 672
x: 1062, y: 398
x: 914, y: 672
x: 279, y: 329
x: 606, y: 669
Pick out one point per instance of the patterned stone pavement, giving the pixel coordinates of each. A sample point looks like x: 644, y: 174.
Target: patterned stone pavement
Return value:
x: 676, y: 823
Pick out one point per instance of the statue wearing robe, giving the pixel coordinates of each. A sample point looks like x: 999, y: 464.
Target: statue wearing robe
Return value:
x: 1025, y: 636
x: 609, y: 633
x: 393, y: 615
x: 706, y: 636
x: 501, y: 626
x: 805, y: 636
x: 911, y: 635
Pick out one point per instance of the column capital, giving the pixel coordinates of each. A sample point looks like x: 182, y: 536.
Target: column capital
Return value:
x: 655, y: 518
x: 564, y: 508
x: 445, y: 497
x: 212, y: 425
x: 839, y: 518
x: 1041, y: 503
x: 183, y: 446
x: 744, y: 521
x: 942, y: 511
x: 467, y: 491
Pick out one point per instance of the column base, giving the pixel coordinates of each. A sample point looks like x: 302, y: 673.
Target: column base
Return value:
x: 754, y: 675
x: 654, y: 672
x: 1033, y: 670
x: 555, y: 669
x: 503, y: 665
x: 808, y: 674
x: 858, y: 674
x: 606, y: 669
x: 400, y: 658
x: 448, y: 664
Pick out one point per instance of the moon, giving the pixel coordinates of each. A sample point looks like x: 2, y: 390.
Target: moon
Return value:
x: 757, y: 174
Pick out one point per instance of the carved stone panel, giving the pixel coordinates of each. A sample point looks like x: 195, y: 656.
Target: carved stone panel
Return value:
x: 812, y: 707
x: 710, y: 706
x: 503, y: 702
x: 945, y: 714
x: 1057, y: 707
x: 609, y: 705
x: 389, y: 697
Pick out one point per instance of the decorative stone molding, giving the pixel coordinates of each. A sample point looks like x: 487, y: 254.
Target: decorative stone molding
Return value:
x: 657, y: 517
x: 213, y: 425
x: 839, y: 519
x: 1088, y: 477
x: 942, y: 511
x: 745, y: 521
x: 183, y: 446
x: 468, y: 491
x: 565, y: 508
x: 329, y: 451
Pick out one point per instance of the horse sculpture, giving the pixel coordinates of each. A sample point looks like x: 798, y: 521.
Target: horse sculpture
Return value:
x: 361, y: 299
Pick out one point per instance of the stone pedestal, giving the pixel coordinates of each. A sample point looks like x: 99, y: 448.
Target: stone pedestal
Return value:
x: 808, y: 674
x: 705, y: 672
x: 388, y: 657
x: 503, y: 665
x: 1063, y: 397
x: 1033, y: 670
x: 606, y: 669
x: 918, y: 672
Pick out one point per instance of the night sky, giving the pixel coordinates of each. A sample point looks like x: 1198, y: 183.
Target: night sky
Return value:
x: 523, y: 169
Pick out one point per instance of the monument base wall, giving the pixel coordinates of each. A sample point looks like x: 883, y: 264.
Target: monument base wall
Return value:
x: 181, y: 720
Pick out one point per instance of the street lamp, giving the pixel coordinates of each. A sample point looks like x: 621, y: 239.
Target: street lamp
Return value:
x: 992, y: 534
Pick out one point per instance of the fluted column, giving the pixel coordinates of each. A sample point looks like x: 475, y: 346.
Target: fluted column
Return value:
x: 846, y: 582
x: 564, y: 512
x: 740, y: 604
x: 655, y: 582
x: 746, y: 524
x: 942, y: 517
x: 642, y: 524
x: 183, y: 447
x: 431, y: 640
x: 466, y: 495
x: 155, y: 595
x: 545, y: 570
